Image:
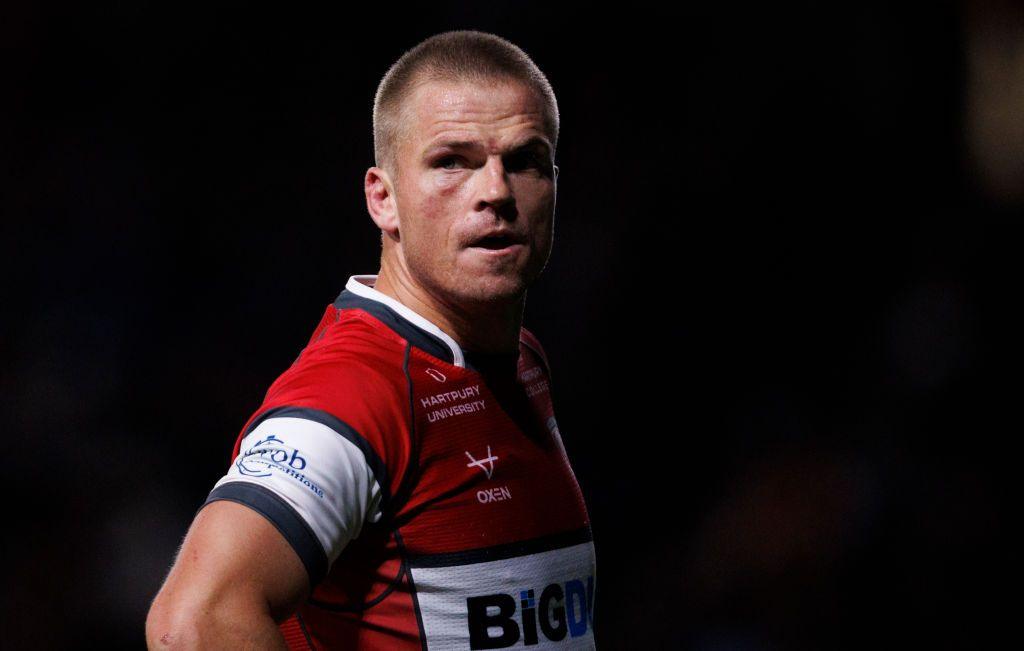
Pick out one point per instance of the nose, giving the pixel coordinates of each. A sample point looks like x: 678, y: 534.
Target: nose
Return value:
x: 495, y: 190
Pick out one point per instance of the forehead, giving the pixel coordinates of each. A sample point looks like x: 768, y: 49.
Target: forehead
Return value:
x: 490, y: 111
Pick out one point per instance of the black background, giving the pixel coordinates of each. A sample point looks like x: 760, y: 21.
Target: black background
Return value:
x: 780, y: 308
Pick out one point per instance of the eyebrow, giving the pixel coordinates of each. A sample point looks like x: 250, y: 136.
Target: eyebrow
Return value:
x: 531, y: 143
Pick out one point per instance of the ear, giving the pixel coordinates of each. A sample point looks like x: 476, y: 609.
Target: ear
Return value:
x: 380, y: 201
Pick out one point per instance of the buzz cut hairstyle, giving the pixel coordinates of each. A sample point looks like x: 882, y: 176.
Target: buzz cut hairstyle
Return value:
x: 455, y: 56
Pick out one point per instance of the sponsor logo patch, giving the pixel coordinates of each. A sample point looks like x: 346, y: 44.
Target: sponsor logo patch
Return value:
x: 499, y: 621
x: 272, y: 455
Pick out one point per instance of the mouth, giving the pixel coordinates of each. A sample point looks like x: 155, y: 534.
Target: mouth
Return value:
x: 499, y: 244
x: 495, y: 242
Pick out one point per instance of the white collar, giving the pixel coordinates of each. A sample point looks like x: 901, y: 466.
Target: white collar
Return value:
x: 362, y: 285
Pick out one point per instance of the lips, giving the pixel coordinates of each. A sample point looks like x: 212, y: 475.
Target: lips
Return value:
x: 496, y: 240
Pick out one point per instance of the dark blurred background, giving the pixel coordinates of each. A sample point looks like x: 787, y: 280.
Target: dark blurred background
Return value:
x: 781, y: 309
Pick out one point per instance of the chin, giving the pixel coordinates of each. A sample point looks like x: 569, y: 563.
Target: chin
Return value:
x: 496, y: 289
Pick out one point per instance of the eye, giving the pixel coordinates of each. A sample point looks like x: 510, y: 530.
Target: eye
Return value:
x: 448, y: 162
x: 527, y: 160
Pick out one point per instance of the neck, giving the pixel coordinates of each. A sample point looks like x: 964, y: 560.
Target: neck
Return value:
x: 485, y: 328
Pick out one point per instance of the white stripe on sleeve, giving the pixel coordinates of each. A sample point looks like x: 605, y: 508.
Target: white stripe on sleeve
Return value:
x: 317, y: 471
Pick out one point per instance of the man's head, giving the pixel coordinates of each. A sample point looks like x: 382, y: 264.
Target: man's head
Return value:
x: 466, y: 56
x: 465, y: 128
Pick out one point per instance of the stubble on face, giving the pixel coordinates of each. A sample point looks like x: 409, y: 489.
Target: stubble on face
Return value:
x: 449, y: 196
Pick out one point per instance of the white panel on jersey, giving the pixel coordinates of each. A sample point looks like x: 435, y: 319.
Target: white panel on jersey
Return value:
x: 320, y: 473
x: 363, y: 286
x: 539, y: 601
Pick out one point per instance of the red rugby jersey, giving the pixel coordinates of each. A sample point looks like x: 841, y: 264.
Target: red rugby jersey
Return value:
x: 424, y: 487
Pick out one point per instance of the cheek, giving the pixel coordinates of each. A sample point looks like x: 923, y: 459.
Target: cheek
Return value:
x: 432, y: 212
x: 437, y: 192
x: 537, y: 199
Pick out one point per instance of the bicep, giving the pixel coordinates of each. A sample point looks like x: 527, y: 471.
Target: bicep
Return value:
x: 298, y: 492
x: 233, y: 556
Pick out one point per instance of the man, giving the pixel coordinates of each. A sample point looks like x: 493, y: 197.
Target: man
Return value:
x: 404, y: 485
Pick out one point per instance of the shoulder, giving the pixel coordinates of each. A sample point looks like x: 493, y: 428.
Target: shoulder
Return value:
x: 349, y: 361
x: 350, y: 380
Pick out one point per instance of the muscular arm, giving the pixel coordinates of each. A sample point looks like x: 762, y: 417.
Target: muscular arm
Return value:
x: 234, y: 579
x: 302, y: 472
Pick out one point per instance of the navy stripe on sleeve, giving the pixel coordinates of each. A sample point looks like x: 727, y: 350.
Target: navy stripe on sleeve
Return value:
x: 343, y: 429
x: 291, y: 525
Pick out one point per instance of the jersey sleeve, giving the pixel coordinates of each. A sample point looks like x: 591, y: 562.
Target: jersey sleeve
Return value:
x: 308, y: 473
x: 328, y: 448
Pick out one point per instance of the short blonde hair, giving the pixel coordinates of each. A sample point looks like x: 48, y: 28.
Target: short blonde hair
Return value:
x: 464, y: 55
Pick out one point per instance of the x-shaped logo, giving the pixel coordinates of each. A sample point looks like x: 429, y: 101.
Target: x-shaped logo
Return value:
x: 489, y: 460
